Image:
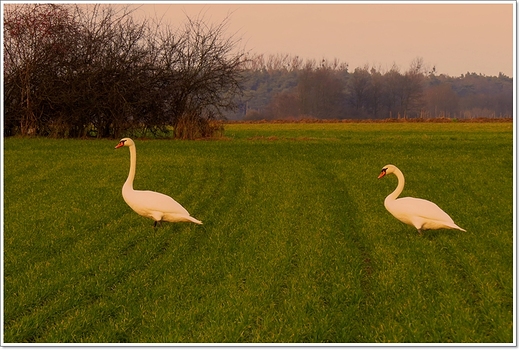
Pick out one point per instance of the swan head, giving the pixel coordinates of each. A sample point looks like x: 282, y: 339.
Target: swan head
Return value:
x: 125, y: 142
x: 387, y: 169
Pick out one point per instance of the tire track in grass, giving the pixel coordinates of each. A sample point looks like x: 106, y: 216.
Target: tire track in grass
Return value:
x: 204, y: 191
x: 53, y: 286
x: 126, y: 251
x: 306, y: 260
x: 472, y: 288
x: 190, y: 252
x: 137, y: 264
x: 282, y: 248
x: 229, y: 195
x: 310, y: 260
x: 343, y: 205
x: 55, y: 235
x: 90, y: 289
x: 314, y: 199
x: 246, y: 243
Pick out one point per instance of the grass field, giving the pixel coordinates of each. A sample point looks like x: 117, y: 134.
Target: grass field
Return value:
x: 296, y: 244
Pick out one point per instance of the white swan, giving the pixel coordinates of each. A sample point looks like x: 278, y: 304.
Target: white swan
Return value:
x: 420, y: 213
x: 154, y: 205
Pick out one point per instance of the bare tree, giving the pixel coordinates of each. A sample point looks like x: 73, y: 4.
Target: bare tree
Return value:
x: 359, y: 88
x: 202, y: 73
x: 72, y: 70
x: 412, y: 88
x: 321, y: 91
x: 442, y: 101
x: 376, y: 91
x: 37, y: 38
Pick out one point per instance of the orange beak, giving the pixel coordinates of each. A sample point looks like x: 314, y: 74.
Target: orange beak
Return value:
x: 383, y: 173
x: 120, y: 144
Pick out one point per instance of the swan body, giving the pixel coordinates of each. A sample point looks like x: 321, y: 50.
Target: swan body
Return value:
x: 153, y: 205
x: 419, y: 213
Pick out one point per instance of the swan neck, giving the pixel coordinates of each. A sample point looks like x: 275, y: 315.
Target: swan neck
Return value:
x: 130, y: 180
x: 400, y: 185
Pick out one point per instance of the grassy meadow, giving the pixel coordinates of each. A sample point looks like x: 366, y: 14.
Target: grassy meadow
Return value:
x: 296, y: 245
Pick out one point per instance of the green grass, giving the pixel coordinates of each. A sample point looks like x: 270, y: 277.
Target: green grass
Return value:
x: 296, y: 244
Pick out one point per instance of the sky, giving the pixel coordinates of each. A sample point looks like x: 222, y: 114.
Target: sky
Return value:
x: 456, y: 38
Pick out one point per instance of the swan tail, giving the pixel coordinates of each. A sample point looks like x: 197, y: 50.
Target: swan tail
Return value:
x: 175, y: 217
x: 192, y: 219
x: 460, y: 228
x: 455, y: 226
x: 435, y: 225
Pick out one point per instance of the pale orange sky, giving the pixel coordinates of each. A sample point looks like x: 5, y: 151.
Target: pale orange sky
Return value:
x: 455, y: 38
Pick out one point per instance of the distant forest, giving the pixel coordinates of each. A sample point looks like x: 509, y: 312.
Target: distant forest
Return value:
x: 281, y: 87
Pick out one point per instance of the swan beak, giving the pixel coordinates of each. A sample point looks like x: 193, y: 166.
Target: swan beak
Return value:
x: 120, y: 144
x: 383, y: 173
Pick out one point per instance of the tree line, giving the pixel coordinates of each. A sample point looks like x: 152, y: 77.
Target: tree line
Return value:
x: 93, y: 70
x: 287, y: 87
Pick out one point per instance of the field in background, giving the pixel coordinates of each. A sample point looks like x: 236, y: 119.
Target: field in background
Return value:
x: 296, y: 244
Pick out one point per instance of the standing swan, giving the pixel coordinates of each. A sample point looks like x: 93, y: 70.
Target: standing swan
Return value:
x: 154, y: 205
x: 420, y: 213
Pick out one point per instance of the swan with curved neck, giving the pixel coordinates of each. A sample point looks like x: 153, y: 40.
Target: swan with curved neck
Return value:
x: 153, y: 205
x: 420, y: 213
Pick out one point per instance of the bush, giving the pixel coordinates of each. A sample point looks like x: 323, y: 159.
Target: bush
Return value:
x: 79, y: 71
